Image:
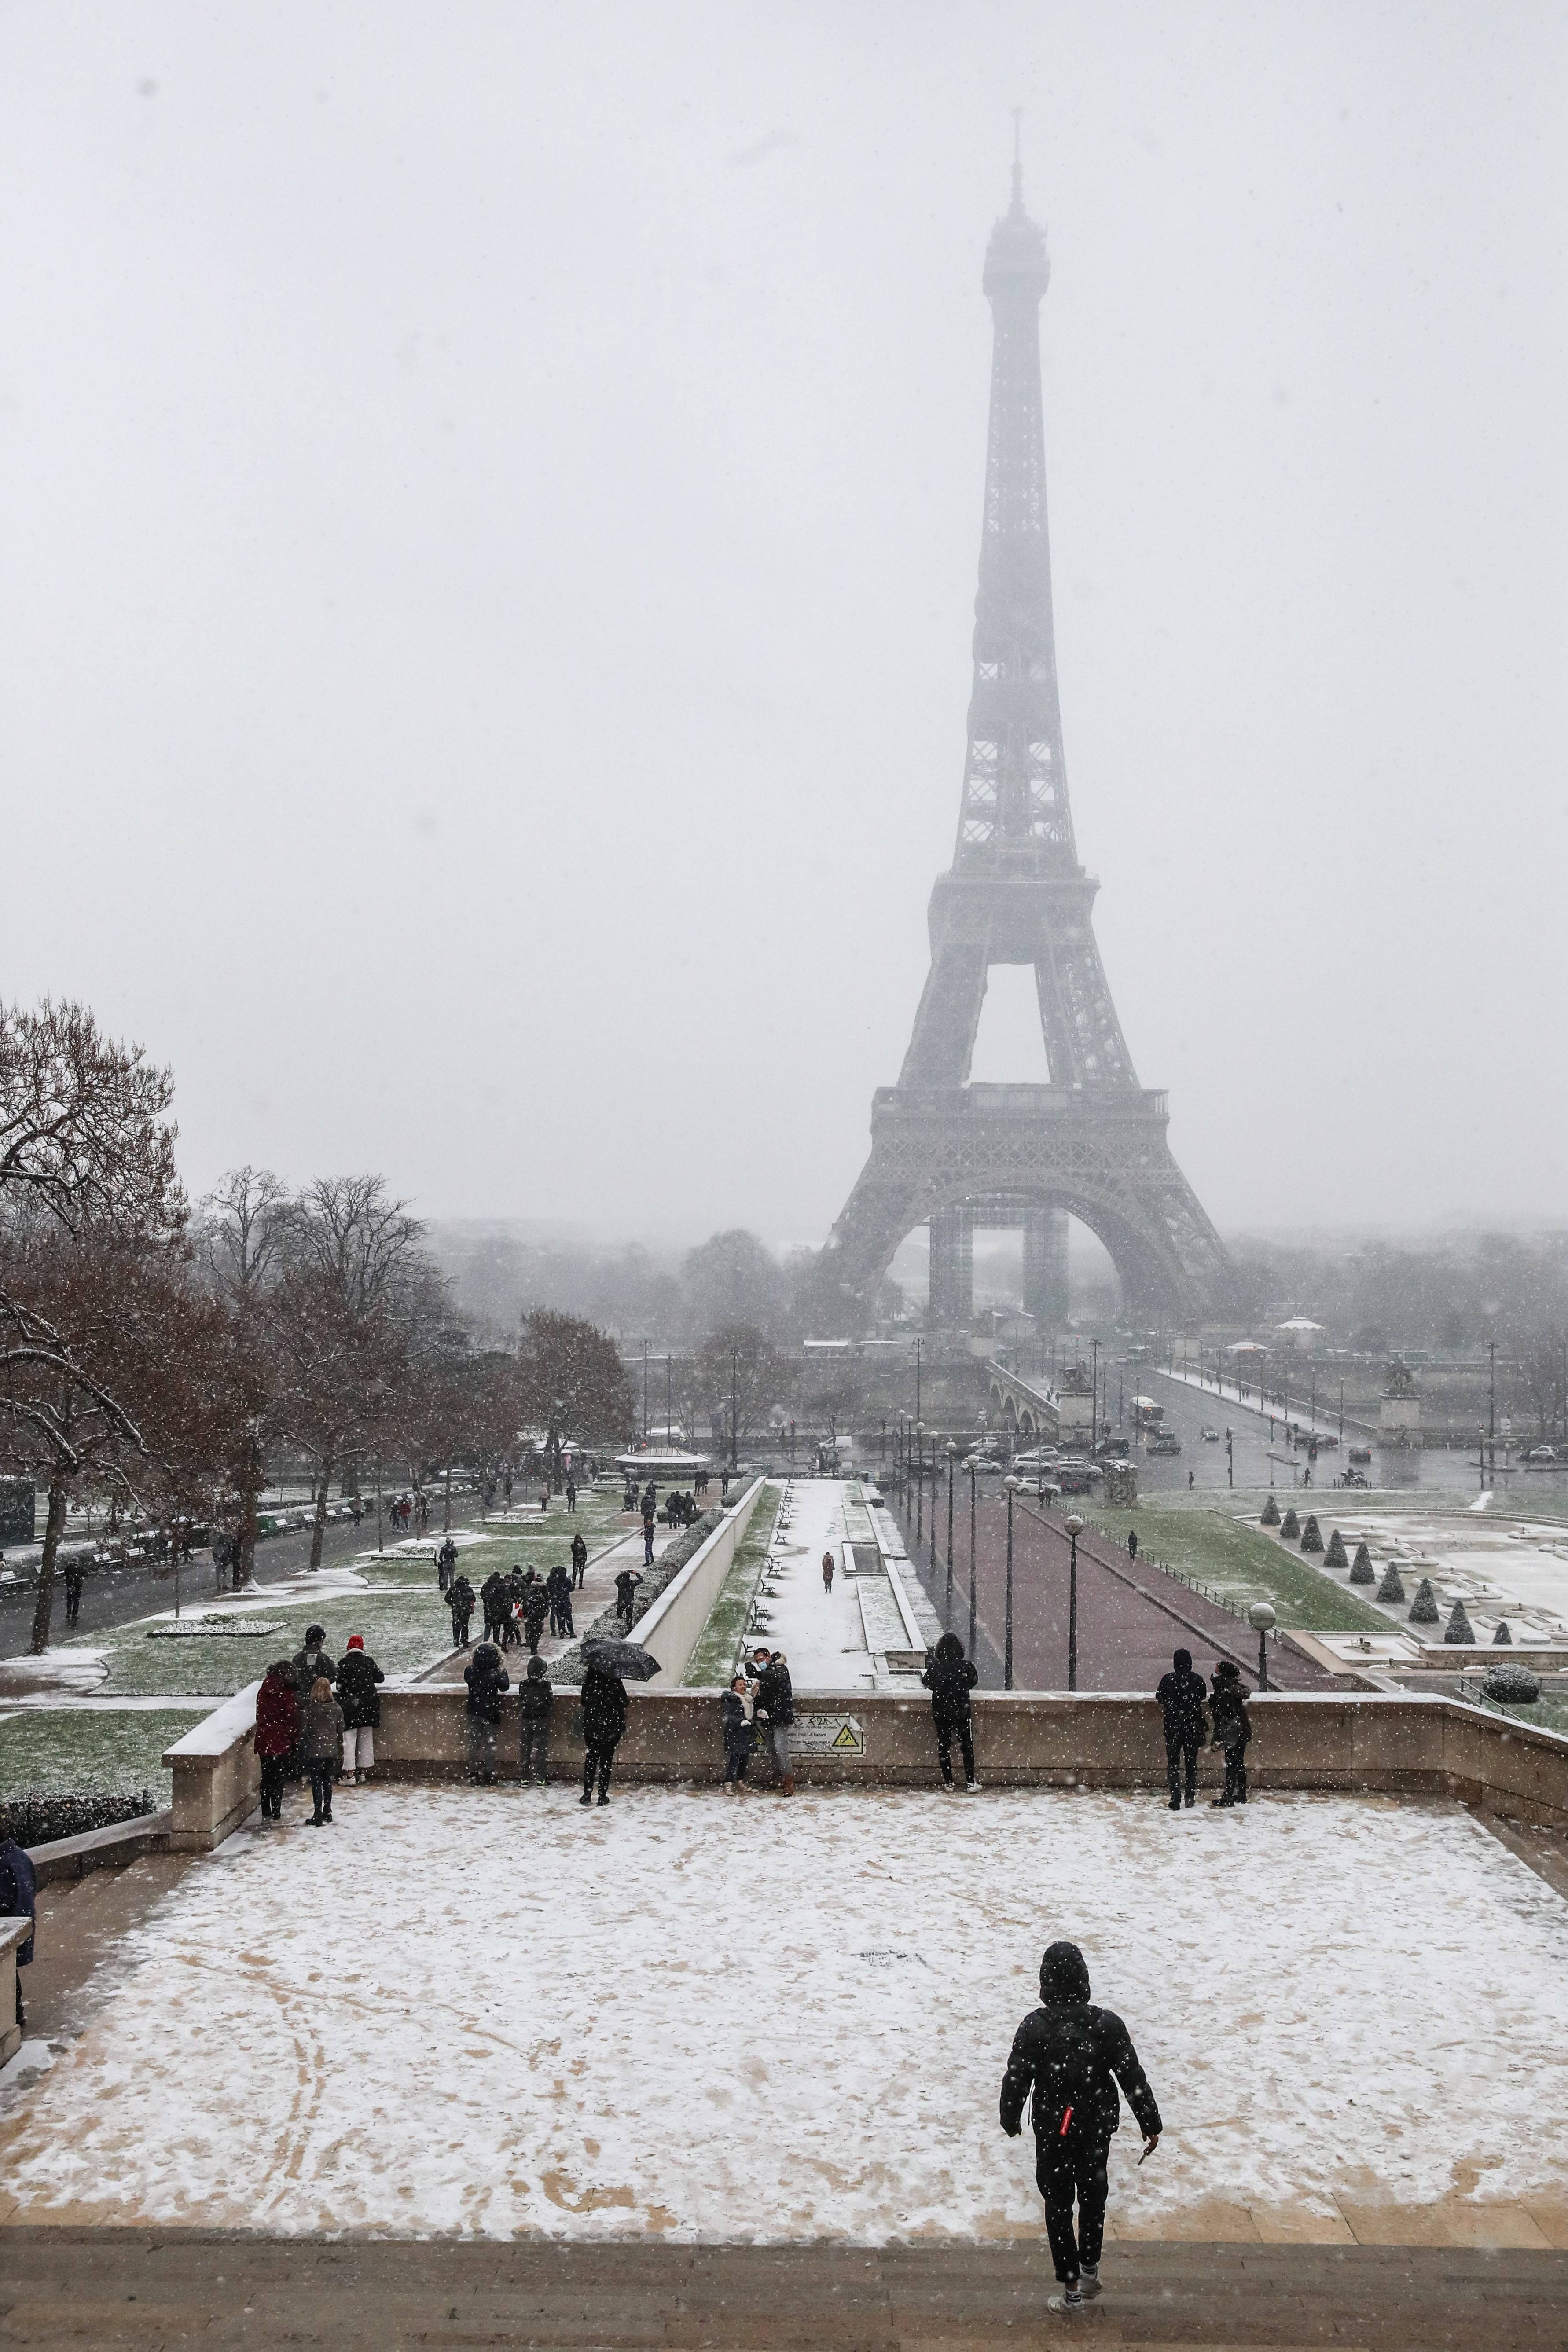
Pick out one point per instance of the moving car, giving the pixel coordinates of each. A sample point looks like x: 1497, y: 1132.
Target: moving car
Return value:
x: 1163, y: 1440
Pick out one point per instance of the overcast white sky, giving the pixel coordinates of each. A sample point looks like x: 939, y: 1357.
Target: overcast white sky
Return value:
x: 491, y: 507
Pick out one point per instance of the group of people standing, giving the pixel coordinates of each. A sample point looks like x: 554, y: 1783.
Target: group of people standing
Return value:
x: 602, y: 1704
x: 1192, y: 1716
x: 515, y: 1606
x: 317, y: 1718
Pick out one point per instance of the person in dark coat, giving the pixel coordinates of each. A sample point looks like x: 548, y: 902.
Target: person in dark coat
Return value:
x: 579, y: 1561
x: 1131, y: 1543
x: 513, y: 1589
x: 827, y: 1566
x: 460, y: 1601
x: 75, y: 1574
x: 775, y: 1700
x: 1232, y: 1729
x: 312, y: 1662
x: 627, y: 1585
x: 445, y: 1566
x: 535, y: 1608
x: 18, y: 1899
x: 321, y: 1744
x: 1181, y: 1696
x: 277, y: 1734
x: 949, y: 1677
x: 604, y: 1720
x: 1070, y: 2056
x: 558, y: 1593
x: 492, y: 1598
x: 736, y: 1713
x: 361, y: 1703
x: 486, y: 1678
x: 534, y: 1700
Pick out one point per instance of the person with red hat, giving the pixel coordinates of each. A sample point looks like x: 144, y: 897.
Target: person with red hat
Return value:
x: 361, y: 1702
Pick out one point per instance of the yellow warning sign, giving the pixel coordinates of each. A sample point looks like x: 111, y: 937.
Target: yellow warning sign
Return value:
x: 829, y: 1735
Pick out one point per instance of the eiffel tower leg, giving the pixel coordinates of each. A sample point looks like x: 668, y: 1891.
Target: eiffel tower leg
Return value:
x: 951, y: 1301
x: 1045, y: 1265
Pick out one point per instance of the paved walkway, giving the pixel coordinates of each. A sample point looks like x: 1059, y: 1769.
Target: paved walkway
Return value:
x: 1131, y: 1615
x: 69, y: 2285
x: 605, y: 1560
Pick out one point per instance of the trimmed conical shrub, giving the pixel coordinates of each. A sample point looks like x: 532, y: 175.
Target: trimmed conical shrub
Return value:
x: 1270, y: 1517
x: 1336, y: 1556
x: 1458, y: 1628
x: 1424, y: 1608
x: 1290, y: 1527
x: 1311, y: 1535
x: 1362, y: 1571
x: 1502, y: 1639
x: 1391, y: 1589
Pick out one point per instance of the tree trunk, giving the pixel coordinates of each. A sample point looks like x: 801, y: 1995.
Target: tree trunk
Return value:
x: 53, y: 1526
x: 245, y: 1565
x: 319, y: 1529
x: 447, y: 1509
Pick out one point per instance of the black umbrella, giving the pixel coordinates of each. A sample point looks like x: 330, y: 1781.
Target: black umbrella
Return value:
x: 628, y: 1659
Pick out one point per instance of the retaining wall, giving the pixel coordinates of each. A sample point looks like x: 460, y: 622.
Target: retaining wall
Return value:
x: 672, y: 1628
x: 1354, y: 1742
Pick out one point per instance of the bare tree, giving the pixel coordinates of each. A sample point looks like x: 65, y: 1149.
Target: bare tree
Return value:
x: 84, y: 1131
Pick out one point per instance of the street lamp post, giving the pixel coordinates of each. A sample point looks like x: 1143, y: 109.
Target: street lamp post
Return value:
x: 952, y: 1461
x: 1260, y: 1616
x: 919, y: 1482
x: 969, y: 1466
x: 1073, y: 1527
x: 1011, y: 1486
x: 734, y: 1405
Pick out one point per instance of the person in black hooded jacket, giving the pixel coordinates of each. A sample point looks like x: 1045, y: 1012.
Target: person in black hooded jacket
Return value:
x: 1071, y: 2057
x: 1181, y: 1695
x: 949, y: 1677
x: 604, y: 1720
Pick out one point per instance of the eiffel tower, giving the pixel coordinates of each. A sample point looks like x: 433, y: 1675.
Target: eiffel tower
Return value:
x: 1092, y: 1141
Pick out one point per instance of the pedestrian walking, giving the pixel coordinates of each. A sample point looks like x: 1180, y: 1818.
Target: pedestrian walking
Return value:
x: 579, y: 1561
x: 18, y: 1899
x: 775, y: 1700
x: 534, y: 1700
x: 493, y: 1601
x: 1180, y: 1697
x: 627, y: 1585
x: 648, y: 1543
x: 604, y: 1720
x: 361, y: 1703
x: 737, y: 1712
x: 277, y: 1734
x: 571, y: 1494
x: 486, y: 1678
x: 460, y: 1601
x: 321, y: 1744
x: 1131, y: 1543
x: 536, y: 1607
x: 445, y: 1566
x: 828, y: 1571
x: 949, y: 1677
x: 1232, y: 1729
x: 1070, y: 2056
x: 558, y: 1592
x: 76, y: 1575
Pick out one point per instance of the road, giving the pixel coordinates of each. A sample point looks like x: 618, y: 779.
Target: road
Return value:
x: 114, y: 1596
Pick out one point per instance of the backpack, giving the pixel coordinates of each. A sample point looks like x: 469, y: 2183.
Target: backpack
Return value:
x: 1066, y: 2105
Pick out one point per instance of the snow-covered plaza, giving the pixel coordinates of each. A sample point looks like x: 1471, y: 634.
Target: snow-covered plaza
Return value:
x: 487, y: 2011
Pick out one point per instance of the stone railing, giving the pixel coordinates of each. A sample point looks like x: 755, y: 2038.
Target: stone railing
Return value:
x: 13, y: 1933
x: 1349, y: 1741
x: 671, y: 1629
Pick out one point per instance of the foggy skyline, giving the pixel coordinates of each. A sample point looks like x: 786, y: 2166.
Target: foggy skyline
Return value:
x: 494, y: 504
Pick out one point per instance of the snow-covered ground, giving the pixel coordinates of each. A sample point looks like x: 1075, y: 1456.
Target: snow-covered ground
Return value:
x: 487, y: 2011
x: 820, y: 1633
x: 1501, y: 1568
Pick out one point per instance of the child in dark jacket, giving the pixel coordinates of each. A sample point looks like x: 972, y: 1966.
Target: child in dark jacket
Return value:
x: 535, y: 1698
x: 322, y: 1745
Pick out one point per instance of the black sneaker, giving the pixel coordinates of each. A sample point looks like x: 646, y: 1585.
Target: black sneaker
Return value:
x: 585, y: 1799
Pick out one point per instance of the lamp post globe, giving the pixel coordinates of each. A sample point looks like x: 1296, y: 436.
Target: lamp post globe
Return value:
x: 1261, y: 1617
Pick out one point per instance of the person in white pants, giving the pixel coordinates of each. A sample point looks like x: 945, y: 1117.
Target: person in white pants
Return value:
x: 361, y: 1702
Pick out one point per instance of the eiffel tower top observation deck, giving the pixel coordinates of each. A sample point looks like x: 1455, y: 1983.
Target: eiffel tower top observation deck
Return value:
x: 1092, y: 1142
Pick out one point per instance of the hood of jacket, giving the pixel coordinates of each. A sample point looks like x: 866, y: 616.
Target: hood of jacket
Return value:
x: 1064, y: 1976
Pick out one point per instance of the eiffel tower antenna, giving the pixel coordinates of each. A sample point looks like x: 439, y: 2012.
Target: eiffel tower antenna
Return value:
x: 1092, y: 1142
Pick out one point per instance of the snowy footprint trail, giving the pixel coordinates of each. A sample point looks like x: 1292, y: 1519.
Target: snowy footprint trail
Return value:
x: 478, y: 2011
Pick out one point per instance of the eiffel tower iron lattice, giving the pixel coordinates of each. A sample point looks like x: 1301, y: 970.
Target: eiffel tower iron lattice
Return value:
x: 1092, y: 1142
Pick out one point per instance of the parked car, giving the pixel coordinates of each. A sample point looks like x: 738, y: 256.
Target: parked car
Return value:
x: 1164, y: 1440
x: 1210, y: 1437
x: 1540, y: 1457
x: 1038, y: 1458
x: 1362, y: 1453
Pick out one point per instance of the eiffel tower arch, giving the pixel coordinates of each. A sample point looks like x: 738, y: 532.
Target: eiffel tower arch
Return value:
x: 1092, y: 1142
